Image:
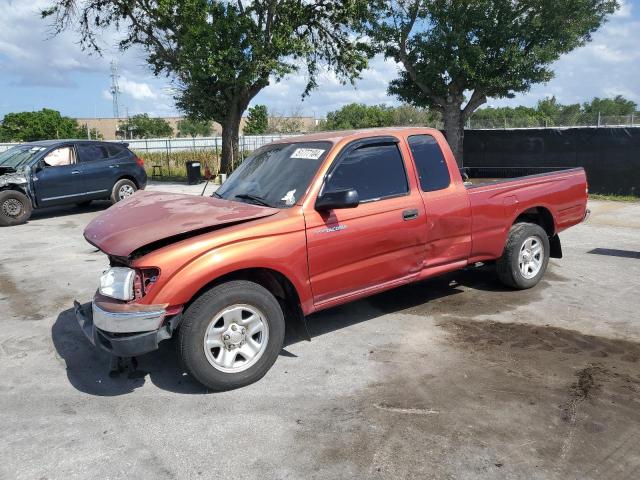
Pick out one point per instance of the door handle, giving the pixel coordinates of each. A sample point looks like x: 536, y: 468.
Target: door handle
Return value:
x: 75, y: 172
x: 410, y: 214
x: 114, y: 166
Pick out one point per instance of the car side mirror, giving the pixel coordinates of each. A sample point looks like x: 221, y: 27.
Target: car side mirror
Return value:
x: 347, y: 198
x: 39, y: 166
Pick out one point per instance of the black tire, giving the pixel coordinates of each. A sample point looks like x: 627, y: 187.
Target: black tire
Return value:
x: 199, y: 316
x: 124, y: 183
x: 15, y: 208
x: 508, y: 265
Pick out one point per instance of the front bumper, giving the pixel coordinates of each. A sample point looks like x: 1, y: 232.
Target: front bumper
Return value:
x: 122, y: 342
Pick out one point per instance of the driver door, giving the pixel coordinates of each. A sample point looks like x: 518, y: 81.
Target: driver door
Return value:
x: 380, y: 242
x: 58, y: 178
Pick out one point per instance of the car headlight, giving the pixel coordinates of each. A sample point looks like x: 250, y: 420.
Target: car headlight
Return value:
x: 117, y: 282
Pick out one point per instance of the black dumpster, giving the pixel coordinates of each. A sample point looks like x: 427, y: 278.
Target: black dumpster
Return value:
x: 193, y: 173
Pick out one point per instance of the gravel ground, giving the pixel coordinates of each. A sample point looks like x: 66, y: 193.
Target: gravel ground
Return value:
x: 454, y: 377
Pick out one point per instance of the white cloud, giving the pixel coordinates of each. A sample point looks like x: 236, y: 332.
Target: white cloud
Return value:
x: 137, y: 90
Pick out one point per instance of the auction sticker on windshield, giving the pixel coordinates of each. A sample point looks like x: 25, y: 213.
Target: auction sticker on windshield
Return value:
x: 307, y: 153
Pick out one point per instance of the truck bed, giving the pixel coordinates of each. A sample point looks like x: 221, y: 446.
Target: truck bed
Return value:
x: 495, y: 205
x: 476, y: 182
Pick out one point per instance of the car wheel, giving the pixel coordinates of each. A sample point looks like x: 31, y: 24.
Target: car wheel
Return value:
x: 123, y: 189
x: 231, y: 335
x: 15, y: 208
x: 525, y: 257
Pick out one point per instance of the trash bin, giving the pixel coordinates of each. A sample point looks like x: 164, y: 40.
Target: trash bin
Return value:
x: 193, y: 173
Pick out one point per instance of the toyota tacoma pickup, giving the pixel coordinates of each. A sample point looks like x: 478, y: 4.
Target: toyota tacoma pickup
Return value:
x: 305, y: 224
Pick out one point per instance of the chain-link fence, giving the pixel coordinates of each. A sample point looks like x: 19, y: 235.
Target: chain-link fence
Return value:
x: 579, y: 120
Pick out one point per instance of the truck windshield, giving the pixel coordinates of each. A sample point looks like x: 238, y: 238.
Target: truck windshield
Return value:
x: 18, y: 156
x: 276, y: 175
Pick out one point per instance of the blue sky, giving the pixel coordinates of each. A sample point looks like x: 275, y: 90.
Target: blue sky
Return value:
x: 38, y: 71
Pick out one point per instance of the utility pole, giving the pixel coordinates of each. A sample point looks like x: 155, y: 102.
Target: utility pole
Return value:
x: 115, y: 89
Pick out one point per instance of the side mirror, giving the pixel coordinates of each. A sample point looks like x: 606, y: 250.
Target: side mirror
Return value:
x: 39, y: 166
x: 347, y: 198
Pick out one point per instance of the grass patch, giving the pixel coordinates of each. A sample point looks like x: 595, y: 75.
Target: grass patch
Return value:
x: 170, y: 166
x: 614, y: 198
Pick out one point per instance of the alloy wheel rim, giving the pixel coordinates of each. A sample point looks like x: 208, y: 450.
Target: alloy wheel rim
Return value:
x: 125, y: 191
x: 531, y: 257
x: 236, y: 338
x: 12, y: 207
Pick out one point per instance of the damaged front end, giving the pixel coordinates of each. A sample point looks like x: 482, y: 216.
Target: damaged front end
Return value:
x: 17, y: 179
x: 122, y: 319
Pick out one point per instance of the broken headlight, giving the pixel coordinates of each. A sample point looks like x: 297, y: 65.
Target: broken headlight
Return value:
x: 117, y: 282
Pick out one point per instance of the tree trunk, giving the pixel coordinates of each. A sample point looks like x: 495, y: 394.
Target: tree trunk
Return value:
x: 230, y: 157
x: 454, y: 130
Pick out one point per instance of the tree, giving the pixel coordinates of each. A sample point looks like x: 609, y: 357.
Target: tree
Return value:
x: 551, y: 112
x: 407, y: 115
x: 221, y: 54
x: 143, y: 126
x: 481, y: 48
x: 359, y: 115
x: 609, y: 106
x: 43, y: 125
x: 189, y: 127
x: 257, y: 121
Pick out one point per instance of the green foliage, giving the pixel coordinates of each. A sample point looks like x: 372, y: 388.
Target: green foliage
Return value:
x: 490, y: 48
x: 610, y: 106
x: 257, y: 121
x: 407, y: 115
x: 357, y: 115
x: 43, y: 125
x: 221, y: 53
x: 188, y: 127
x: 549, y: 112
x: 143, y: 126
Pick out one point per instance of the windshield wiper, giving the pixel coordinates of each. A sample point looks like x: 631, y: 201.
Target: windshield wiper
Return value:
x: 255, y: 198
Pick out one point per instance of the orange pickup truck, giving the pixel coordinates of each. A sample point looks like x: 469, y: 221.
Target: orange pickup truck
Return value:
x: 304, y: 224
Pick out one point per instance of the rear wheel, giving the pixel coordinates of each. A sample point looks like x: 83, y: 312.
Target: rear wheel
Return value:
x: 525, y: 257
x: 15, y: 208
x: 232, y: 335
x: 123, y: 188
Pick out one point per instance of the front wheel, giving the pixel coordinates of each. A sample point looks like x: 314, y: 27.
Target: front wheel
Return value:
x: 15, y: 208
x: 525, y: 257
x: 231, y: 335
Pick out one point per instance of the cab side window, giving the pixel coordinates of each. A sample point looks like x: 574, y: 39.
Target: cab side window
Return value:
x: 375, y: 171
x: 430, y: 163
x: 59, y: 157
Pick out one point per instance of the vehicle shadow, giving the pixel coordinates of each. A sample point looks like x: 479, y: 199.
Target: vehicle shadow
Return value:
x: 66, y: 210
x: 88, y: 368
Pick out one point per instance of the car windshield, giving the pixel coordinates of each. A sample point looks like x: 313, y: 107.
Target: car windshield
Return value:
x: 18, y: 156
x: 276, y: 175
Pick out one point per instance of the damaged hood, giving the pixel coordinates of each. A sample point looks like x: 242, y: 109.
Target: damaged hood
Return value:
x: 148, y: 217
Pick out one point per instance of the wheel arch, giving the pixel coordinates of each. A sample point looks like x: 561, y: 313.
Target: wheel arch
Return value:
x: 127, y: 177
x: 278, y: 284
x: 539, y: 215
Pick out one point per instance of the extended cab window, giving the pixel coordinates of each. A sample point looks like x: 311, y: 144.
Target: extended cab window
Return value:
x: 432, y: 167
x: 90, y: 153
x: 375, y: 171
